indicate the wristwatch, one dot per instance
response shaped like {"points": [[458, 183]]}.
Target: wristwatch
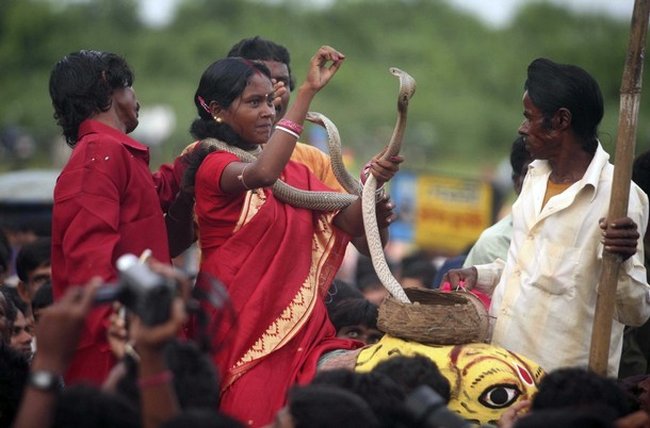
{"points": [[45, 381]]}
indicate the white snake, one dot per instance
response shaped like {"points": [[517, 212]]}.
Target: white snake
{"points": [[332, 201], [407, 89]]}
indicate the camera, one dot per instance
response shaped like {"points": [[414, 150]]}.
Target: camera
{"points": [[146, 293], [429, 409]]}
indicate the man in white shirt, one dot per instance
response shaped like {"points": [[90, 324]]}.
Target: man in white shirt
{"points": [[544, 294]]}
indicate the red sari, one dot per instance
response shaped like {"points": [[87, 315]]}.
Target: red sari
{"points": [[276, 262]]}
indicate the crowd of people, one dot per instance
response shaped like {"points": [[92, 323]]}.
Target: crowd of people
{"points": [[265, 333]]}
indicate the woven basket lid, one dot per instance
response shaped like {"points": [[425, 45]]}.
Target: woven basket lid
{"points": [[435, 317]]}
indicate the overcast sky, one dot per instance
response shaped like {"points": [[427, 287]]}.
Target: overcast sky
{"points": [[493, 12], [499, 12]]}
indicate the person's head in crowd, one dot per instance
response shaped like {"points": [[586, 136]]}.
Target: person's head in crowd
{"points": [[417, 271], [364, 266], [14, 369], [409, 372], [580, 388], [20, 225], [324, 406], [41, 300], [22, 333], [86, 406], [202, 418], [564, 418], [195, 378], [385, 397], [86, 83], [372, 289], [275, 57], [5, 257], [356, 319], [449, 263], [340, 290], [519, 161], [33, 267], [560, 93], [7, 317]]}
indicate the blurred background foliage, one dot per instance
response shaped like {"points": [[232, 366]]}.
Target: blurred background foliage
{"points": [[462, 118]]}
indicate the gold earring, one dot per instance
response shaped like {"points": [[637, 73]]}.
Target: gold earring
{"points": [[217, 119]]}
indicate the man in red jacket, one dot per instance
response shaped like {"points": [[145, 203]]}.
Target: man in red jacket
{"points": [[106, 201]]}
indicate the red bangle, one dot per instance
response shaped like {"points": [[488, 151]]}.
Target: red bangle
{"points": [[291, 125], [156, 379]]}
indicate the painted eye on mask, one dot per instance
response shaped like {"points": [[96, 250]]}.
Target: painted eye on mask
{"points": [[499, 396]]}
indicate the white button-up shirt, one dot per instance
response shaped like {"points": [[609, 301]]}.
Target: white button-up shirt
{"points": [[545, 296]]}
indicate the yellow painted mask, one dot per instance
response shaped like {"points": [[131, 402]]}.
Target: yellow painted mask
{"points": [[485, 379]]}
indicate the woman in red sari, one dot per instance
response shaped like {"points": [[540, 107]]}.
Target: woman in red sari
{"points": [[275, 260]]}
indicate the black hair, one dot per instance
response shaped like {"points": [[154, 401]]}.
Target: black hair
{"points": [[87, 406], [10, 311], [13, 298], [14, 369], [519, 157], [365, 271], [369, 281], [565, 418], [552, 86], [32, 256], [259, 49], [29, 217], [43, 297], [412, 371], [358, 311], [195, 378], [325, 406], [340, 290], [418, 265], [81, 85], [579, 388], [202, 418], [222, 82], [385, 397]]}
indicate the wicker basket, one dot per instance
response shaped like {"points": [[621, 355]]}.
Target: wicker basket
{"points": [[435, 317]]}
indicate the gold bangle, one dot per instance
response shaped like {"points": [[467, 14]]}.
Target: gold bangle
{"points": [[240, 177]]}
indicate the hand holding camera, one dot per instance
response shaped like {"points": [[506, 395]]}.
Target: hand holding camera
{"points": [[146, 289], [154, 295]]}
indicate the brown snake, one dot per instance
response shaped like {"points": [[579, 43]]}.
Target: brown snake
{"points": [[332, 201]]}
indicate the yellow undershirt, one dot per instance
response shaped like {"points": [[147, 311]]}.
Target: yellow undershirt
{"points": [[553, 189]]}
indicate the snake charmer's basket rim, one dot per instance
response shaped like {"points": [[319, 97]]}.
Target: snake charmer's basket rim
{"points": [[435, 317]]}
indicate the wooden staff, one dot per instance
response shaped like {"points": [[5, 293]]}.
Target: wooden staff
{"points": [[625, 141]]}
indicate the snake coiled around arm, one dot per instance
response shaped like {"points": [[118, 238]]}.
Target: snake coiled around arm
{"points": [[332, 201]]}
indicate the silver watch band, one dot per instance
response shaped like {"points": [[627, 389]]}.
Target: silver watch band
{"points": [[44, 380]]}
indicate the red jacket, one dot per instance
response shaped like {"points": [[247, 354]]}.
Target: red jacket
{"points": [[106, 203]]}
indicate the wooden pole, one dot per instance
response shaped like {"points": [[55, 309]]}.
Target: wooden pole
{"points": [[625, 141]]}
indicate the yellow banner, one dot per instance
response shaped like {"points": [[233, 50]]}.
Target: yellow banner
{"points": [[451, 213]]}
